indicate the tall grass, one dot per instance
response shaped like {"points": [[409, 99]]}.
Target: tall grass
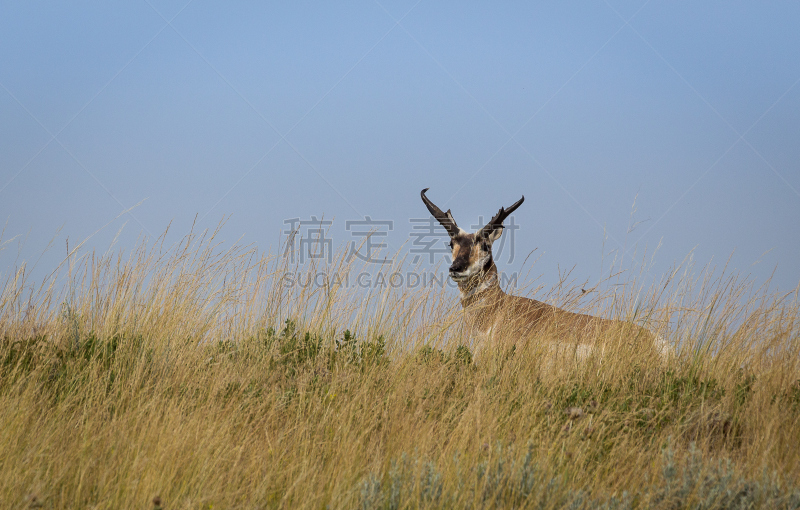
{"points": [[196, 374]]}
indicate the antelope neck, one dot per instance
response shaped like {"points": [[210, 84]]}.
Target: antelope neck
{"points": [[479, 286]]}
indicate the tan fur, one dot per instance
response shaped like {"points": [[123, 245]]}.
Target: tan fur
{"points": [[501, 319]]}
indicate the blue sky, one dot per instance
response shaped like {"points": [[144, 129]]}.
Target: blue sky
{"points": [[264, 112]]}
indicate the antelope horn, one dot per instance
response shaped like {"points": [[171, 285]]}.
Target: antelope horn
{"points": [[497, 221], [446, 219]]}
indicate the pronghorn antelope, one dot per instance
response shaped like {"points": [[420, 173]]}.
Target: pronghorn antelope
{"points": [[500, 317]]}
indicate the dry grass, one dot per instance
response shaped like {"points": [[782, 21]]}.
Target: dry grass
{"points": [[196, 375]]}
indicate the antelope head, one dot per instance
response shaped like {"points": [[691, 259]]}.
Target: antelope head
{"points": [[471, 253]]}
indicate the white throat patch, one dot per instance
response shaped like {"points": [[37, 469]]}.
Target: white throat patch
{"points": [[485, 284]]}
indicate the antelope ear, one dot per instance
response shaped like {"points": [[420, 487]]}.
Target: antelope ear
{"points": [[494, 235]]}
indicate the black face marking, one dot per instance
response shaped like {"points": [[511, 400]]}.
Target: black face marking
{"points": [[467, 250], [462, 246]]}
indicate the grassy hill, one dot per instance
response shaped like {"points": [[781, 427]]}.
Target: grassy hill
{"points": [[193, 377]]}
